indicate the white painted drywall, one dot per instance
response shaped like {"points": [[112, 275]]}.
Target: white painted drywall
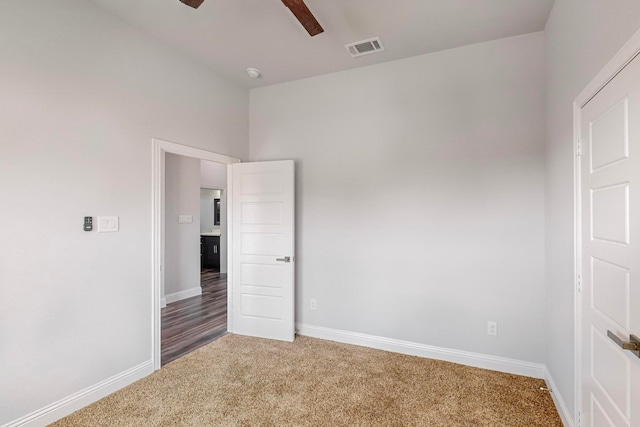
{"points": [[182, 241], [214, 175], [581, 37], [420, 195], [81, 96]]}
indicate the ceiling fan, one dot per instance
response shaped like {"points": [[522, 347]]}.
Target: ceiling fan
{"points": [[297, 7]]}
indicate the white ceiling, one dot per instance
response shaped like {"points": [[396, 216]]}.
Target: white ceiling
{"points": [[232, 35]]}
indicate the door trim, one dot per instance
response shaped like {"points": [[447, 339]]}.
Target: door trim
{"points": [[158, 151], [625, 55]]}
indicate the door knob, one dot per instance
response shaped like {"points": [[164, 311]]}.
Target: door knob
{"points": [[632, 345], [285, 259]]}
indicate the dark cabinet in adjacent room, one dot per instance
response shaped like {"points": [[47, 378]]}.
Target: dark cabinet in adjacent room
{"points": [[210, 252]]}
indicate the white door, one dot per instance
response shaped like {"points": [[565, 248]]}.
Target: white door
{"points": [[263, 249], [610, 264]]}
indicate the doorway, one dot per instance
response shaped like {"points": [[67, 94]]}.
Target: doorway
{"points": [[217, 285], [260, 249], [194, 311]]}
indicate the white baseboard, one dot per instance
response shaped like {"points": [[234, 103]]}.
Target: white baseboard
{"points": [[70, 404], [494, 363], [79, 400], [163, 302], [178, 296], [561, 406]]}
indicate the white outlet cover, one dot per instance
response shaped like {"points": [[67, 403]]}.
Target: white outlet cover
{"points": [[108, 224], [185, 219], [492, 328]]}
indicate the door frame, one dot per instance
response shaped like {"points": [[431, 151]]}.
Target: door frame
{"points": [[625, 55], [159, 150]]}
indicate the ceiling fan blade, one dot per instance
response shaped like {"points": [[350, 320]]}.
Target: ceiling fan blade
{"points": [[304, 15], [193, 3]]}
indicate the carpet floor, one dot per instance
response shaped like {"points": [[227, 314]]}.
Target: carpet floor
{"points": [[242, 381]]}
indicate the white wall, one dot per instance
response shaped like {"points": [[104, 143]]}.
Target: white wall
{"points": [[420, 195], [182, 241], [581, 37], [214, 175], [81, 96]]}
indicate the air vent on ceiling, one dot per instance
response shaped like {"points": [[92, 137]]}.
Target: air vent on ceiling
{"points": [[365, 47]]}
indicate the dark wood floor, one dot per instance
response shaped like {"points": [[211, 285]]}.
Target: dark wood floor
{"points": [[194, 322]]}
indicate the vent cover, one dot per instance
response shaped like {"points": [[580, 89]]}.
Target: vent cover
{"points": [[365, 47]]}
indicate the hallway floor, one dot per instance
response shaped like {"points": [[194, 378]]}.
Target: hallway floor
{"points": [[191, 323]]}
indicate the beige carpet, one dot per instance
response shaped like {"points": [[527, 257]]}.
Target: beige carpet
{"points": [[241, 381]]}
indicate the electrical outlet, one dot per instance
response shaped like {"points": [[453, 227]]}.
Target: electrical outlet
{"points": [[492, 328], [312, 304]]}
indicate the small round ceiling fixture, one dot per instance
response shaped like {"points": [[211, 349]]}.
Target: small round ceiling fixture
{"points": [[254, 73]]}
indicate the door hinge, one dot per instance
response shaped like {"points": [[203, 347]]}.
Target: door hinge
{"points": [[579, 420], [579, 283], [579, 147]]}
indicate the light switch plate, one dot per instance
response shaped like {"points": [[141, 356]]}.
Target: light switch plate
{"points": [[185, 219], [108, 224]]}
